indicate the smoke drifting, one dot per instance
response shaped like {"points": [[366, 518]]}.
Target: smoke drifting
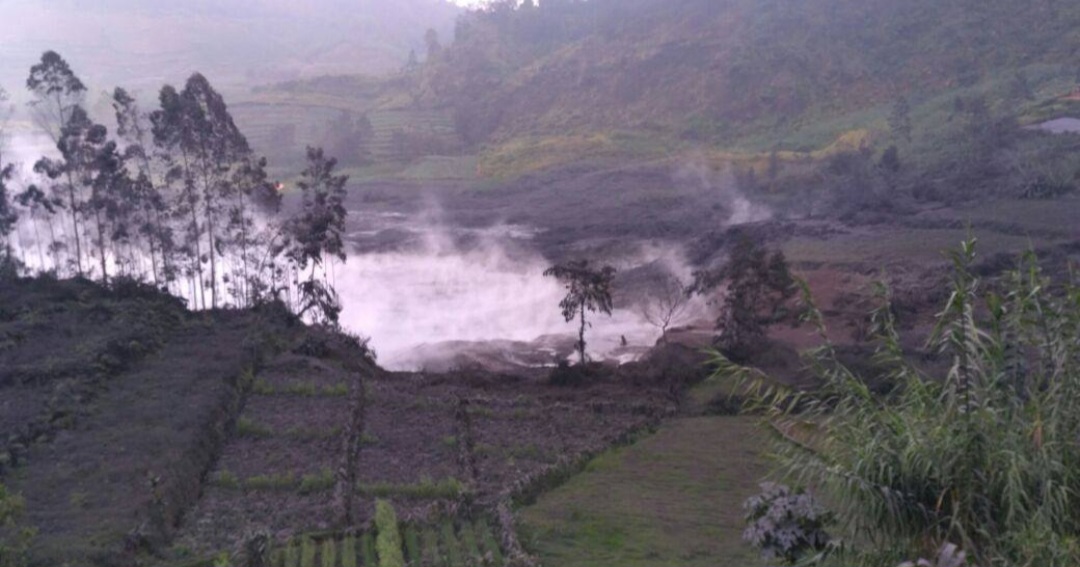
{"points": [[741, 209]]}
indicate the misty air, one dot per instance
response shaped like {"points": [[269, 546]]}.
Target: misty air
{"points": [[523, 283]]}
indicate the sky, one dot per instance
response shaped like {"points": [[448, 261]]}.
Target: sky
{"points": [[142, 44]]}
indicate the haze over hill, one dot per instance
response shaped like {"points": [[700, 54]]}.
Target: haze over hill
{"points": [[143, 44], [302, 285]]}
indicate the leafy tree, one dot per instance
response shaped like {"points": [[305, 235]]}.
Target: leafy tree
{"points": [[147, 194], [348, 138], [58, 92], [434, 47], [900, 121], [251, 192], [34, 201], [317, 234], [58, 95], [8, 215], [90, 164], [587, 289], [198, 134], [755, 287], [981, 458], [413, 62], [215, 144]]}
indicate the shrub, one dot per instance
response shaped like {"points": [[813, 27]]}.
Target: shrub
{"points": [[284, 481], [15, 540], [427, 489], [247, 428], [786, 524], [320, 482], [388, 542], [983, 457]]}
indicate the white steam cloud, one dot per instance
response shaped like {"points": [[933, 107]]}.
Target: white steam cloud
{"points": [[742, 210], [422, 306]]}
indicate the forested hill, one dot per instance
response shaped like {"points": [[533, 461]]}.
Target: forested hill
{"points": [[142, 44], [714, 68]]}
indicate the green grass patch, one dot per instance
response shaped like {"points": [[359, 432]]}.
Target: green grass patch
{"points": [[911, 245], [307, 552], [225, 479], [349, 557], [674, 498], [489, 545], [469, 544], [524, 155], [413, 550], [292, 554], [328, 554], [450, 545], [246, 427], [429, 542], [283, 481], [1038, 215], [426, 489], [367, 549], [320, 482]]}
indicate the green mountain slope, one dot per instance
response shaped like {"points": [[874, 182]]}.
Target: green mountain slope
{"points": [[718, 69]]}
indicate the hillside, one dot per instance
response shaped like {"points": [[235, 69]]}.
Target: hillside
{"points": [[719, 69]]}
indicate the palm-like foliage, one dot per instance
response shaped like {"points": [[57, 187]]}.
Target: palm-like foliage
{"points": [[986, 457]]}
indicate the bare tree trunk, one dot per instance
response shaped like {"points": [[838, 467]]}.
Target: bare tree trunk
{"points": [[37, 239], [101, 247], [244, 283], [54, 247], [581, 335], [75, 224]]}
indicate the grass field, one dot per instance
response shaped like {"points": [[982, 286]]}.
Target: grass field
{"points": [[890, 245], [1036, 215], [672, 499]]}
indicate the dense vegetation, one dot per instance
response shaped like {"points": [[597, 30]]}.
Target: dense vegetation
{"points": [[981, 459], [709, 66], [176, 197]]}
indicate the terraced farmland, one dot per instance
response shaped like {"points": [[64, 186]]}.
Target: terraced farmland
{"points": [[446, 544], [282, 130], [446, 450]]}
